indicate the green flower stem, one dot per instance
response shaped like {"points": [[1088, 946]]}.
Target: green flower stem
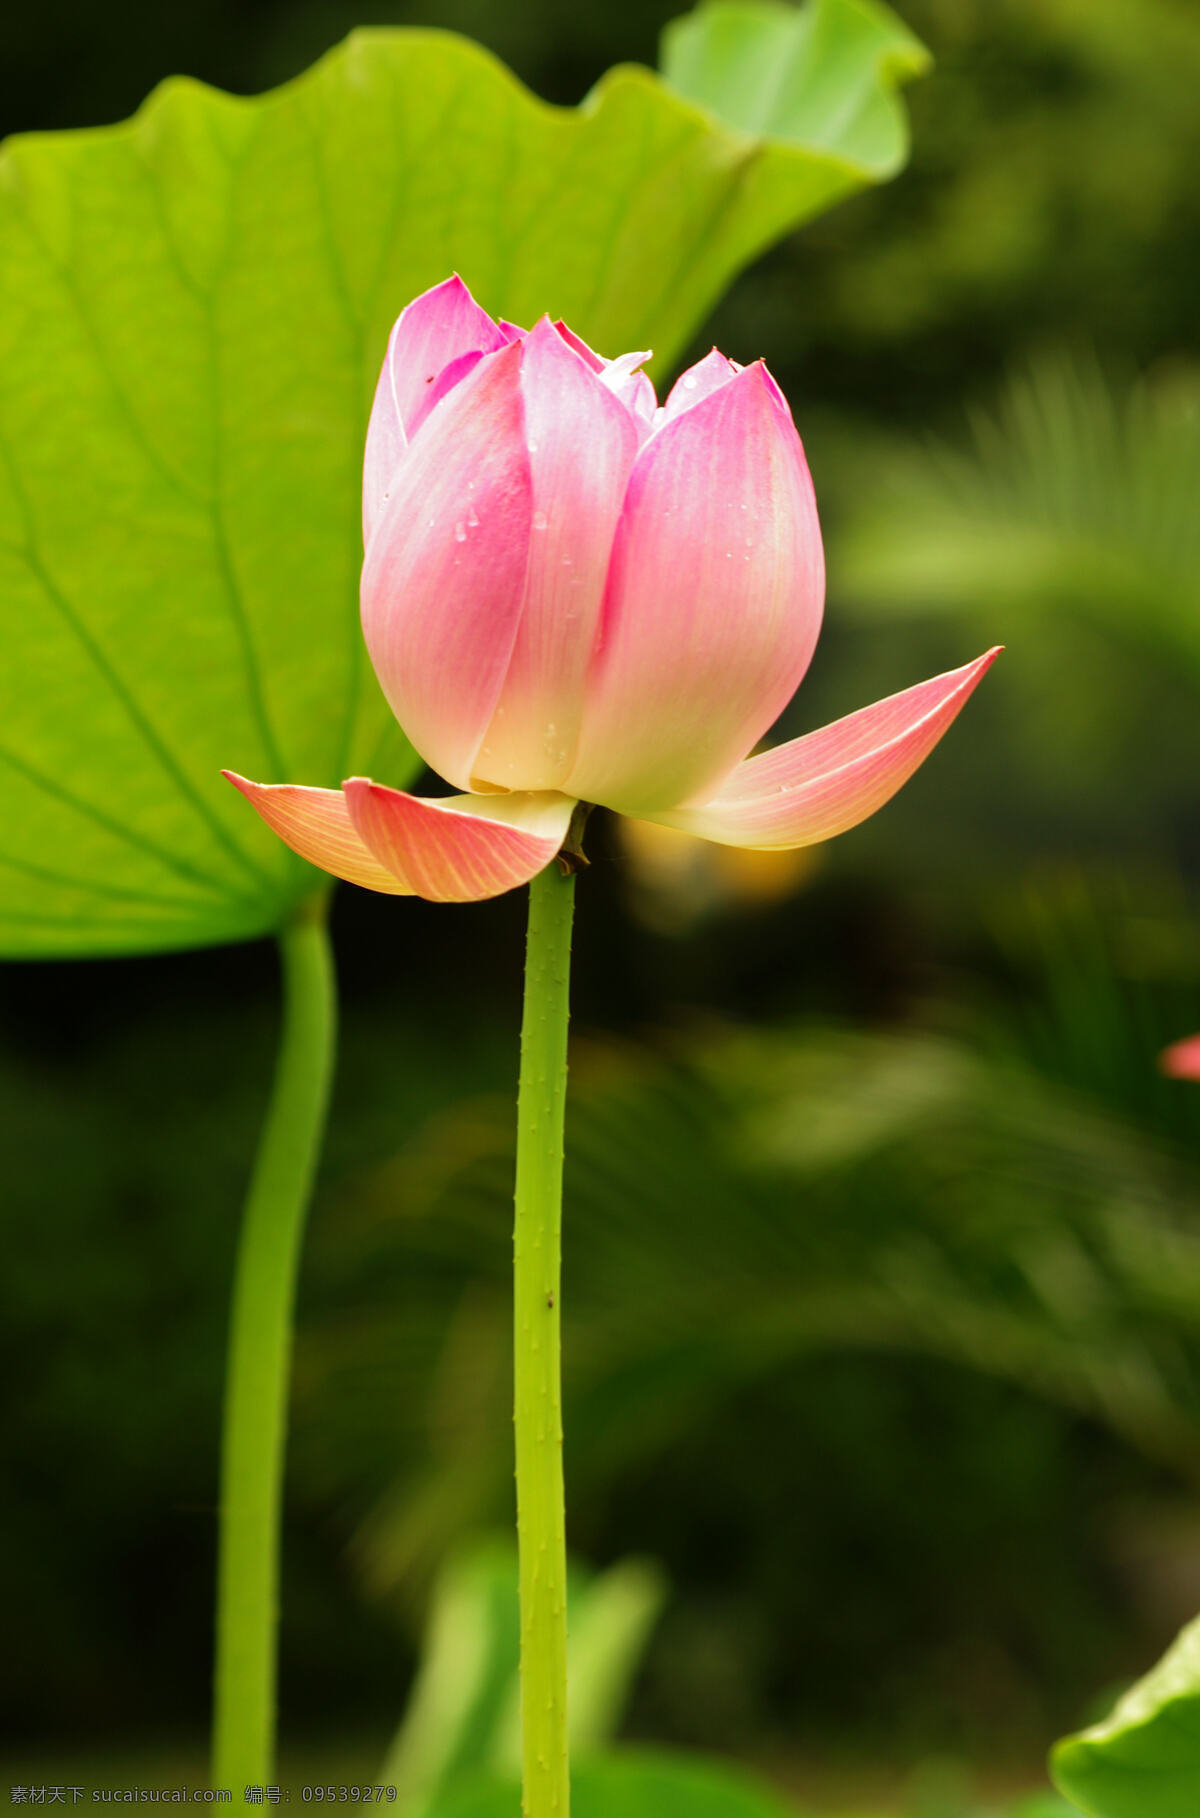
{"points": [[537, 1253], [260, 1354]]}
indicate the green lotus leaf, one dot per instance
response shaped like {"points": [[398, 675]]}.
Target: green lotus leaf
{"points": [[1143, 1760], [820, 76], [193, 309]]}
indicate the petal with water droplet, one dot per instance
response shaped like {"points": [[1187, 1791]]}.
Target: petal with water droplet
{"points": [[437, 328], [584, 445], [441, 605], [699, 382]]}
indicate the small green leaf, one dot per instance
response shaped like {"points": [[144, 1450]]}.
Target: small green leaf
{"points": [[1142, 1761], [644, 1784], [464, 1713], [193, 309], [609, 1632], [468, 1661], [824, 75]]}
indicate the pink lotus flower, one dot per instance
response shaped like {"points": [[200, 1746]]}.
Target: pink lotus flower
{"points": [[1182, 1059], [571, 594]]}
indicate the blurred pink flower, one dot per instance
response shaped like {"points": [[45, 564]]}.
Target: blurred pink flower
{"points": [[1182, 1059], [573, 594]]}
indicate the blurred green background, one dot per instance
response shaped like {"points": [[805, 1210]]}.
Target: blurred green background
{"points": [[883, 1239]]}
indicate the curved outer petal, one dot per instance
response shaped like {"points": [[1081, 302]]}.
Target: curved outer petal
{"points": [[1182, 1059], [821, 784], [582, 442], [713, 602], [462, 848], [386, 442], [444, 575], [437, 327], [316, 823]]}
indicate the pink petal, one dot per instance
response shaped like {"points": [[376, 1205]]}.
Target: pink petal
{"points": [[819, 785], [626, 381], [581, 347], [451, 375], [436, 328], [713, 602], [1182, 1059], [699, 382], [582, 444], [462, 848], [642, 400], [444, 575], [386, 442], [316, 823], [621, 376]]}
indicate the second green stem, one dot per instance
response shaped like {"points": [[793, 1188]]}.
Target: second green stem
{"points": [[260, 1355], [537, 1259]]}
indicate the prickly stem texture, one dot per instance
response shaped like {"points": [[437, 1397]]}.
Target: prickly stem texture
{"points": [[537, 1251]]}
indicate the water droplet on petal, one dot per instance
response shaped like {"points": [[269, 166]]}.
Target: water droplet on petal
{"points": [[472, 517], [532, 447], [689, 381], [460, 532], [539, 520]]}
